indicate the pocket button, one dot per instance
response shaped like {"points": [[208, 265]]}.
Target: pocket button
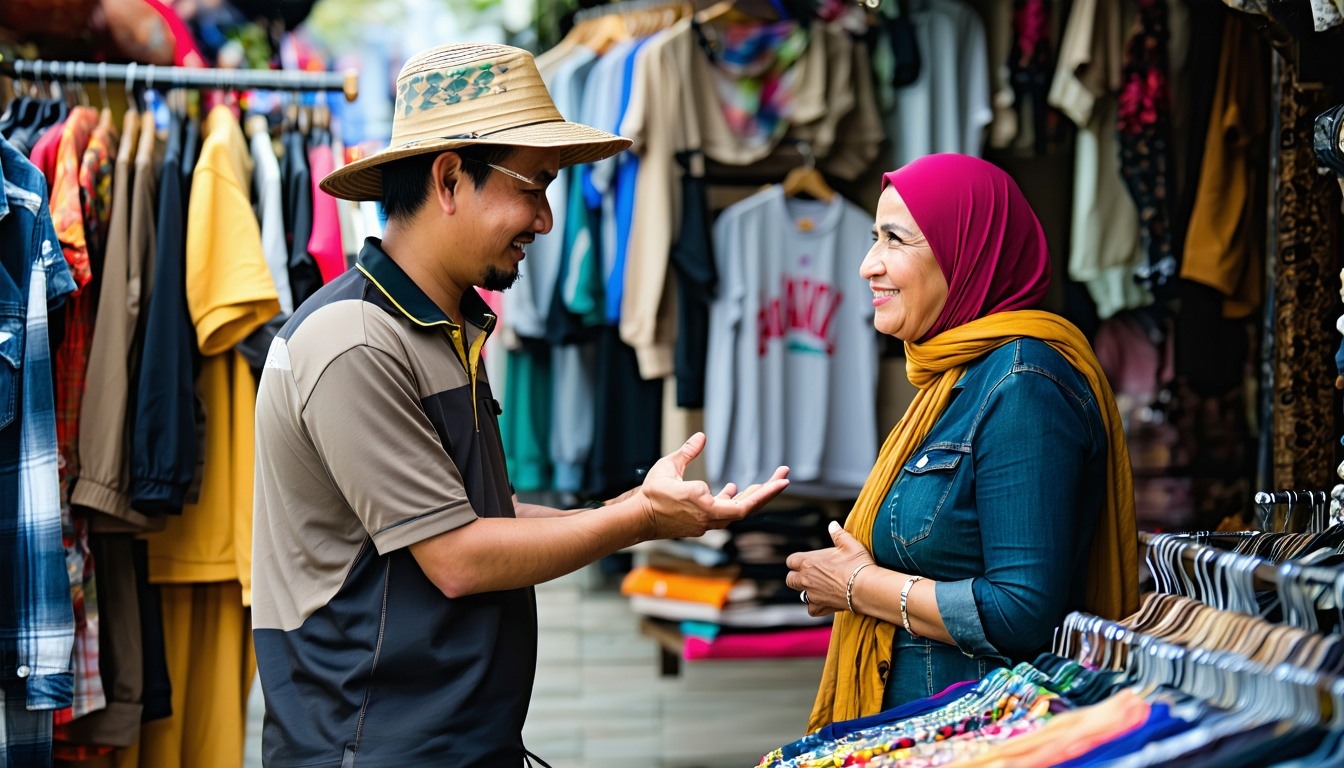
{"points": [[923, 461]]}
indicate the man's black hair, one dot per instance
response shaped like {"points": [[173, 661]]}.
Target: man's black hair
{"points": [[406, 181]]}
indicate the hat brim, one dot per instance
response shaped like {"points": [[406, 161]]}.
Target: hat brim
{"points": [[363, 179]]}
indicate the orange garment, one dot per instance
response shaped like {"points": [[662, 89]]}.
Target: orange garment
{"points": [[1068, 735], [653, 582], [1225, 244], [208, 640]]}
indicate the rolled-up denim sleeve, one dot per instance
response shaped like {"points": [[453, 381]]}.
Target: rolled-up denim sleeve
{"points": [[1031, 452], [961, 616]]}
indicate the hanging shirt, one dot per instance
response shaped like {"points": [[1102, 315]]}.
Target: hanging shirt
{"points": [[164, 448], [623, 204], [102, 479], [947, 107], [230, 294], [1104, 250], [304, 275], [98, 488], [71, 357], [792, 373], [1224, 246], [325, 241], [270, 211], [659, 121], [36, 648]]}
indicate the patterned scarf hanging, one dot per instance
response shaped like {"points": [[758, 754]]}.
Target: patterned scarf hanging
{"points": [[1144, 124]]}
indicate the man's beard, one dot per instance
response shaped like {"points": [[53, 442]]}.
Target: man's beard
{"points": [[497, 279]]}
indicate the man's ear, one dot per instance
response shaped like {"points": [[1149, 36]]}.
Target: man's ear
{"points": [[446, 179]]}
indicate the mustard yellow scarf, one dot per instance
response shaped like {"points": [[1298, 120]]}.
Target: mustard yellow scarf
{"points": [[851, 685]]}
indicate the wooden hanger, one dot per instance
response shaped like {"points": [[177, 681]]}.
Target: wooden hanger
{"points": [[807, 180]]}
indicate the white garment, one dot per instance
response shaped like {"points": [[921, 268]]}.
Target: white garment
{"points": [[947, 108], [745, 615], [791, 376], [1105, 249], [266, 180], [1325, 14]]}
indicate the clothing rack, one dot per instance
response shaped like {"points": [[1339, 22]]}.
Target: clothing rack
{"points": [[1292, 497], [1155, 661], [1200, 557], [150, 75], [621, 6]]}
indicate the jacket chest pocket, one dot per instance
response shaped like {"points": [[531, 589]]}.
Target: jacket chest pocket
{"points": [[922, 489], [11, 361]]}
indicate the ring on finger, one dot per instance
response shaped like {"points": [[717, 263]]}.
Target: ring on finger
{"points": [[803, 595]]}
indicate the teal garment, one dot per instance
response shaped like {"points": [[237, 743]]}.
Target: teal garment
{"points": [[525, 425], [997, 507], [582, 287]]}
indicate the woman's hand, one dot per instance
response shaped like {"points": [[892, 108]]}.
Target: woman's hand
{"points": [[825, 573]]}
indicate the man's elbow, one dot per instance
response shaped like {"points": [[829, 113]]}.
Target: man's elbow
{"points": [[447, 568]]}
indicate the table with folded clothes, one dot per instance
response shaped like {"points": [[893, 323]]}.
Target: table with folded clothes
{"points": [[723, 596]]}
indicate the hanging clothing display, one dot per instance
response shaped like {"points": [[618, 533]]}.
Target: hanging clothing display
{"points": [[1143, 691], [1104, 251], [1144, 121], [947, 108], [37, 678], [791, 374], [142, 646]]}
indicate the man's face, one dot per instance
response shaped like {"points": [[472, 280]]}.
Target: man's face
{"points": [[509, 213]]}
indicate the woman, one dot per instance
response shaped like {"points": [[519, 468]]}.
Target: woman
{"points": [[1003, 499]]}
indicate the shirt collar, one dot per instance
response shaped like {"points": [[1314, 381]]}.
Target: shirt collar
{"points": [[388, 277]]}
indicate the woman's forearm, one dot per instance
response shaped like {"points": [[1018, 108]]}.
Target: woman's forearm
{"points": [[877, 593]]}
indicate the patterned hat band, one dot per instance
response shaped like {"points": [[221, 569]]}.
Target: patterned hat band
{"points": [[456, 95]]}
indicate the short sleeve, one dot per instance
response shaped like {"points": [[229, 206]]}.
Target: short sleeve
{"points": [[380, 449]]}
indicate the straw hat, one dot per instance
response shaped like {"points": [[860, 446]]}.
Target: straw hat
{"points": [[461, 95]]}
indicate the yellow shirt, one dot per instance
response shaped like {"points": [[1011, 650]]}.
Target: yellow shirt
{"points": [[230, 294]]}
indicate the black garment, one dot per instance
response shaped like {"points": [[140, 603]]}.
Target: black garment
{"points": [[120, 647], [164, 442], [258, 343], [157, 691], [693, 259], [295, 177], [628, 435], [1211, 350]]}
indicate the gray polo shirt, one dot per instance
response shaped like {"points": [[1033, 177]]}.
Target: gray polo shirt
{"points": [[376, 429]]}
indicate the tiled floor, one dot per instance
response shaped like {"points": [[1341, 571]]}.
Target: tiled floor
{"points": [[599, 701]]}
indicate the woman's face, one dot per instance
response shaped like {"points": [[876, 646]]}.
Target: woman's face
{"points": [[909, 289]]}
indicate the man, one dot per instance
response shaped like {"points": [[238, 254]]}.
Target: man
{"points": [[395, 620]]}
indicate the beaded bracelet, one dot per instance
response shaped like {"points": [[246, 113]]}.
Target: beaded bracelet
{"points": [[849, 589], [905, 596]]}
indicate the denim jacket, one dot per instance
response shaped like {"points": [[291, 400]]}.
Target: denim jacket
{"points": [[997, 507], [37, 619]]}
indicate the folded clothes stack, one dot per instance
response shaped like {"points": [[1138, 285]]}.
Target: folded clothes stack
{"points": [[725, 591]]}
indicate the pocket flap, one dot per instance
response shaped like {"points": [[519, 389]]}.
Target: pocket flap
{"points": [[934, 459], [11, 337]]}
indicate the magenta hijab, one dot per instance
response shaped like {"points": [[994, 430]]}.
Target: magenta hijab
{"points": [[986, 238]]}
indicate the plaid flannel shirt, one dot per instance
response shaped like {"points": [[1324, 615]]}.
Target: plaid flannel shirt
{"points": [[36, 618]]}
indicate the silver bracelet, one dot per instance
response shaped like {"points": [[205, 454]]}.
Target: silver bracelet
{"points": [[905, 596], [849, 589]]}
